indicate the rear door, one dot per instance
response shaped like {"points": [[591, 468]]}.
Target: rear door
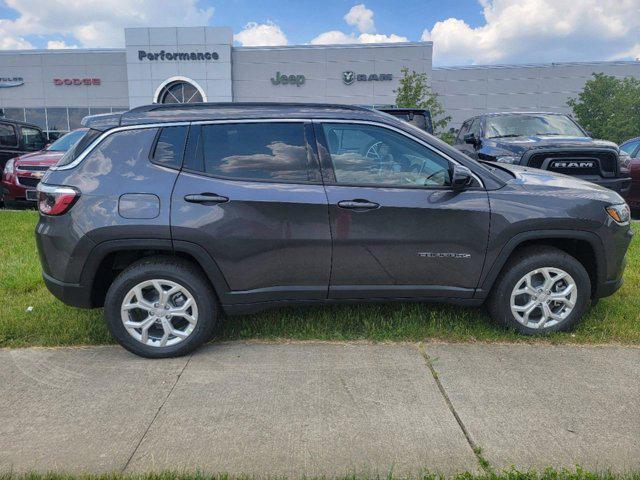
{"points": [[251, 194], [398, 228]]}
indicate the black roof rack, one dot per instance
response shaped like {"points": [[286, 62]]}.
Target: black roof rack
{"points": [[212, 105]]}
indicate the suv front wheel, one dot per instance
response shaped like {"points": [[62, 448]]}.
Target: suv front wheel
{"points": [[540, 290], [161, 307]]}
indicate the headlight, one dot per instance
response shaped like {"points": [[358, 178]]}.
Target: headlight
{"points": [[8, 167], [624, 162], [508, 159], [620, 213]]}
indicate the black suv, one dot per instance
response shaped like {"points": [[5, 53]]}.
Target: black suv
{"points": [[549, 141], [171, 215], [17, 138]]}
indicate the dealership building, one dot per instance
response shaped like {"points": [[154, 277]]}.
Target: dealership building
{"points": [[55, 89]]}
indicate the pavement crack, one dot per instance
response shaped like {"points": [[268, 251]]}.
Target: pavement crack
{"points": [[146, 431], [477, 449]]}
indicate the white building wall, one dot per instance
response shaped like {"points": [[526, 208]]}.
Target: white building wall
{"points": [[323, 67], [469, 91], [145, 76]]}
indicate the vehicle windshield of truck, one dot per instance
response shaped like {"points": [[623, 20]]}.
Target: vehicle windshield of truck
{"points": [[530, 125]]}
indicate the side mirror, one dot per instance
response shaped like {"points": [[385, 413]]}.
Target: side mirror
{"points": [[462, 177], [471, 139]]}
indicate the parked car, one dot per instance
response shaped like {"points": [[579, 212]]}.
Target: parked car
{"points": [[22, 174], [418, 117], [170, 215], [632, 148], [548, 141], [18, 138]]}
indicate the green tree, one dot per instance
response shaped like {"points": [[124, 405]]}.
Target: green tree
{"points": [[609, 107], [414, 92]]}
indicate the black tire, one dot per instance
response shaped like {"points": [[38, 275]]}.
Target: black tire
{"points": [[175, 270], [526, 261]]}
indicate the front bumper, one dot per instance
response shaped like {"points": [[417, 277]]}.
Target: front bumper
{"points": [[620, 185]]}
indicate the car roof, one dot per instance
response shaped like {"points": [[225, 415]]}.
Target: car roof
{"points": [[165, 113], [20, 123], [634, 139], [504, 114]]}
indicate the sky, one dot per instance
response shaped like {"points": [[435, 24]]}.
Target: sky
{"points": [[464, 32]]}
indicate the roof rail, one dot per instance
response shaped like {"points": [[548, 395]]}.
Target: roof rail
{"points": [[205, 105]]}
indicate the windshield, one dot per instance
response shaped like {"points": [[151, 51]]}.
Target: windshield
{"points": [[530, 125], [67, 141]]}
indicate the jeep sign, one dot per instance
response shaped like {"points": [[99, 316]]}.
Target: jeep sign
{"points": [[297, 80]]}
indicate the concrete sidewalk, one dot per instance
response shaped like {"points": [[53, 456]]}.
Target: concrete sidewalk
{"points": [[320, 409]]}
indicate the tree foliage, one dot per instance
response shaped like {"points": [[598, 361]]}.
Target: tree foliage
{"points": [[609, 107], [414, 92]]}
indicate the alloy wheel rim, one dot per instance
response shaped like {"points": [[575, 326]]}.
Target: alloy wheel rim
{"points": [[543, 298], [159, 313]]}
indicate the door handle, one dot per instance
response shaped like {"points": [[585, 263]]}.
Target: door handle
{"points": [[206, 198], [358, 204]]}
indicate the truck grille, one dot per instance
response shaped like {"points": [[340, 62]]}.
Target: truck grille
{"points": [[29, 181], [576, 162], [33, 168]]}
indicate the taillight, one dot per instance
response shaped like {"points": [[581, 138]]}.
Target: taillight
{"points": [[55, 199]]}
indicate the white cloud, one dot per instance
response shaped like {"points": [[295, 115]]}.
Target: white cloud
{"points": [[59, 44], [12, 42], [539, 31], [256, 34], [98, 23], [360, 17]]}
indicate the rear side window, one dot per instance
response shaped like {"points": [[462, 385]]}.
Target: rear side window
{"points": [[8, 135], [463, 131], [255, 151], [169, 148], [32, 139], [79, 147]]}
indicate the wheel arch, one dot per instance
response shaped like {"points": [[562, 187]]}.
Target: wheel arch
{"points": [[109, 258], [585, 246]]}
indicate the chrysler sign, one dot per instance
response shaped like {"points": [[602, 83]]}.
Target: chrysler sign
{"points": [[8, 82], [181, 56]]}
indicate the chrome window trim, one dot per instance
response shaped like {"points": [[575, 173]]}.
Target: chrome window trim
{"points": [[401, 132], [108, 133]]}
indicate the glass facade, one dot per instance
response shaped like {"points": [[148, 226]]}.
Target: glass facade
{"points": [[55, 121]]}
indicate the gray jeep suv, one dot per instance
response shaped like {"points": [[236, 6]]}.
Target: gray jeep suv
{"points": [[171, 215]]}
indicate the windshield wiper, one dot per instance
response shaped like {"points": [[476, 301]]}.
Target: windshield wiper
{"points": [[506, 136]]}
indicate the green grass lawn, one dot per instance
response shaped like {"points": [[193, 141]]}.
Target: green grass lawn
{"points": [[30, 315]]}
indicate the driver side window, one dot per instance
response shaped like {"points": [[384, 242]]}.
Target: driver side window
{"points": [[371, 155]]}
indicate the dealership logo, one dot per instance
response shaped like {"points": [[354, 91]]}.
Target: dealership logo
{"points": [[349, 77], [573, 164], [173, 56], [297, 80], [8, 82], [76, 81]]}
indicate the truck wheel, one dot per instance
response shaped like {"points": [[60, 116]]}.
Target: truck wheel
{"points": [[540, 290], [161, 307]]}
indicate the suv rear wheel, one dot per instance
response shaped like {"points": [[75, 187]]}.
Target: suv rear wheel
{"points": [[541, 290], [161, 307]]}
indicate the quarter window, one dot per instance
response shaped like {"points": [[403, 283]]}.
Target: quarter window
{"points": [[630, 147], [33, 139], [464, 129], [371, 155], [7, 135], [256, 151], [170, 147]]}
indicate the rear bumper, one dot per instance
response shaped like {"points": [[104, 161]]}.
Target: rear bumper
{"points": [[70, 293]]}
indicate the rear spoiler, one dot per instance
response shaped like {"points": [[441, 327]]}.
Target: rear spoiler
{"points": [[102, 122]]}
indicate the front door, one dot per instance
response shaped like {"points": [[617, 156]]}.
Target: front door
{"points": [[398, 228], [250, 193]]}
